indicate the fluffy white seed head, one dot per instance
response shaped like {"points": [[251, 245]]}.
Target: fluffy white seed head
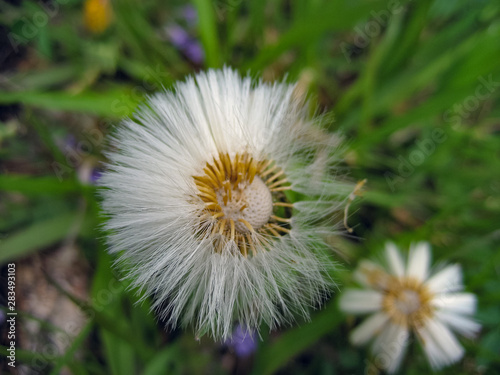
{"points": [[197, 193]]}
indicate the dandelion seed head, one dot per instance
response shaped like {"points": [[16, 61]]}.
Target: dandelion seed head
{"points": [[197, 197]]}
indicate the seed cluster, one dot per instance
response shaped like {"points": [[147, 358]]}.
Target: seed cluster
{"points": [[241, 197]]}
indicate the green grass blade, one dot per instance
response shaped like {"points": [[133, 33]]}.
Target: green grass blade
{"points": [[39, 235], [162, 361], [115, 103], [75, 345], [337, 15], [274, 355], [37, 185], [208, 31]]}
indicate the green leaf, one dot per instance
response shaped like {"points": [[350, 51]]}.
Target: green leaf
{"points": [[41, 234], [334, 16], [208, 31], [75, 345], [274, 355], [163, 361], [42, 79], [115, 103], [37, 185], [122, 345], [119, 354]]}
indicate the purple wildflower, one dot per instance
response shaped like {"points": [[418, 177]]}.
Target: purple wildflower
{"points": [[178, 36], [243, 341], [189, 46], [194, 52], [190, 15], [95, 176]]}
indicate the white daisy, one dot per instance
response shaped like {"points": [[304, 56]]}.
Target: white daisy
{"points": [[410, 299], [198, 199]]}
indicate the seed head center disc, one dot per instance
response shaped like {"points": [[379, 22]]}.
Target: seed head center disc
{"points": [[252, 203], [244, 202]]}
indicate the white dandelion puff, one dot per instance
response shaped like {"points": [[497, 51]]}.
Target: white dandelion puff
{"points": [[197, 192], [404, 299]]}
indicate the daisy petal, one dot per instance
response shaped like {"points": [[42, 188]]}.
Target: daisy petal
{"points": [[360, 301], [369, 328], [459, 323], [362, 271], [390, 346], [371, 275], [449, 279], [394, 260], [440, 345], [418, 261], [459, 303]]}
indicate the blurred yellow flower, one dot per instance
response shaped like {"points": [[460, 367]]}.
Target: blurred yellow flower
{"points": [[97, 15]]}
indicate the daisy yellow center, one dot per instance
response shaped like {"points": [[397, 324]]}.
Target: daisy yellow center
{"points": [[243, 197], [407, 302]]}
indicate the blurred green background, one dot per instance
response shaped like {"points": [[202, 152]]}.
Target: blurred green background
{"points": [[413, 85]]}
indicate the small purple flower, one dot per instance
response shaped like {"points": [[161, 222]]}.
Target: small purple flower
{"points": [[189, 46], [194, 52], [95, 176], [243, 341], [190, 15], [178, 36]]}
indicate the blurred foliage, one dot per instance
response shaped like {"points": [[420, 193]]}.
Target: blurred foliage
{"points": [[414, 87]]}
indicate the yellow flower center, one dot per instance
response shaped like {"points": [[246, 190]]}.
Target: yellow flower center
{"points": [[407, 301], [244, 196]]}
